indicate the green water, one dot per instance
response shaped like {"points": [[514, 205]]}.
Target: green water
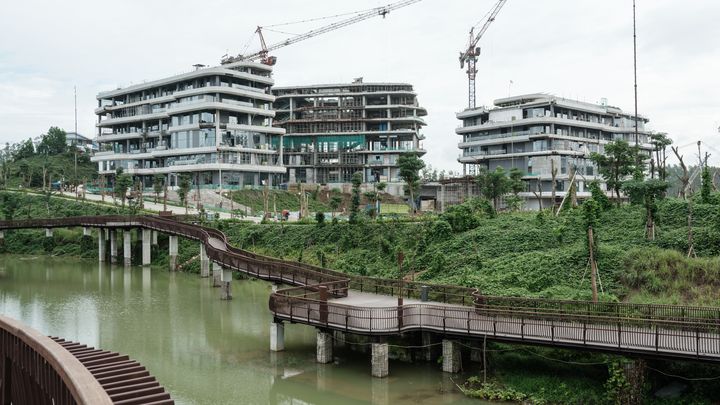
{"points": [[203, 350]]}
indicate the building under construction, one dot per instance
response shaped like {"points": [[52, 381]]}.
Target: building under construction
{"points": [[336, 130]]}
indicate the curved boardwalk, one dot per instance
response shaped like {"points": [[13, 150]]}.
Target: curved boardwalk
{"points": [[333, 300]]}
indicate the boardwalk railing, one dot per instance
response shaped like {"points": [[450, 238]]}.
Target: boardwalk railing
{"points": [[37, 370], [683, 331]]}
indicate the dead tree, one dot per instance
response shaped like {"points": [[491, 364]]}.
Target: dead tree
{"points": [[685, 177], [538, 193]]}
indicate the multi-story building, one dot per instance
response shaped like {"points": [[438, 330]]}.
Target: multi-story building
{"points": [[215, 123], [536, 132], [336, 130]]}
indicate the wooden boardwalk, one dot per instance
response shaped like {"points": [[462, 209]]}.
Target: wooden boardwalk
{"points": [[364, 305]]}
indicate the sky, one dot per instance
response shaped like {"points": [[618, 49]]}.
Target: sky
{"points": [[579, 49]]}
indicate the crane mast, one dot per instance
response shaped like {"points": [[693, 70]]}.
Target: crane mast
{"points": [[263, 53], [472, 51]]}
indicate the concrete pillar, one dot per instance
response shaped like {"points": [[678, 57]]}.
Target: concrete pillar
{"points": [[155, 238], [204, 262], [2, 234], [634, 371], [146, 246], [101, 245], [173, 252], [113, 246], [216, 274], [48, 232], [86, 231], [379, 360], [225, 279], [277, 336], [451, 356], [324, 347], [127, 248], [427, 350]]}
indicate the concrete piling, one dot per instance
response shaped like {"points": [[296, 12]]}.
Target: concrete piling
{"points": [[146, 246], [277, 336], [379, 360], [451, 356], [173, 252], [324, 347], [127, 248]]}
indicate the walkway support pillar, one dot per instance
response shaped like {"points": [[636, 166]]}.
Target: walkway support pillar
{"points": [[217, 274], [86, 231], [101, 245], [324, 347], [225, 279], [127, 248], [155, 238], [2, 234], [113, 246], [204, 262], [277, 336], [146, 246], [451, 356], [48, 232], [379, 360], [173, 251]]}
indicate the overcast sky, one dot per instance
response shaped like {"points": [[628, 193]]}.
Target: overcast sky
{"points": [[579, 49]]}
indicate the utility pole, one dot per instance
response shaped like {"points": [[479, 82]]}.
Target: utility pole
{"points": [[74, 143], [635, 74]]}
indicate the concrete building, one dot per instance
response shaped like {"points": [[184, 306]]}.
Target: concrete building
{"points": [[215, 123], [80, 141], [336, 130], [535, 132]]}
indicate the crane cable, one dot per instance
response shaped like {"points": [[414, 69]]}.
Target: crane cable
{"points": [[319, 18]]}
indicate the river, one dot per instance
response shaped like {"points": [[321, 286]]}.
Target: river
{"points": [[203, 350]]}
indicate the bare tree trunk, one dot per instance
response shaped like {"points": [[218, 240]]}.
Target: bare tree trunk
{"points": [[685, 178], [593, 265]]}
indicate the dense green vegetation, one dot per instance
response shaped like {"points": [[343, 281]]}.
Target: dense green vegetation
{"points": [[523, 253], [47, 160]]}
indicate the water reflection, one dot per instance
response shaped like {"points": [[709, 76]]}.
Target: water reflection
{"points": [[202, 349]]}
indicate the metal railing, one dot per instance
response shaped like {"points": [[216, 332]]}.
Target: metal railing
{"points": [[37, 370]]}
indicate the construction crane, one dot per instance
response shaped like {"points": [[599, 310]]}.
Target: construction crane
{"points": [[472, 51], [263, 53]]}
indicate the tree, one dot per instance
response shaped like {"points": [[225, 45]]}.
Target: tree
{"points": [[591, 213], [355, 200], [660, 142], [123, 182], [646, 193], [23, 150], [53, 143], [493, 185], [410, 165], [619, 161], [158, 185], [184, 189], [335, 202], [685, 177]]}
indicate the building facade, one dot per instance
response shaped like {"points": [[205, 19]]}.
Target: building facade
{"points": [[537, 133], [333, 131], [214, 123]]}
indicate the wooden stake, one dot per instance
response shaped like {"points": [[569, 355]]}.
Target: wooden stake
{"points": [[593, 265]]}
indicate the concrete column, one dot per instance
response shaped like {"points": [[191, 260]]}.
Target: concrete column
{"points": [[86, 231], [101, 245], [379, 360], [113, 246], [48, 232], [217, 274], [146, 246], [204, 262], [226, 278], [127, 251], [451, 356], [2, 234], [277, 336], [173, 252], [324, 347], [427, 350], [155, 238]]}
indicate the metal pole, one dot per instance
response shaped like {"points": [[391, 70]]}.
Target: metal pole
{"points": [[74, 144], [635, 74]]}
